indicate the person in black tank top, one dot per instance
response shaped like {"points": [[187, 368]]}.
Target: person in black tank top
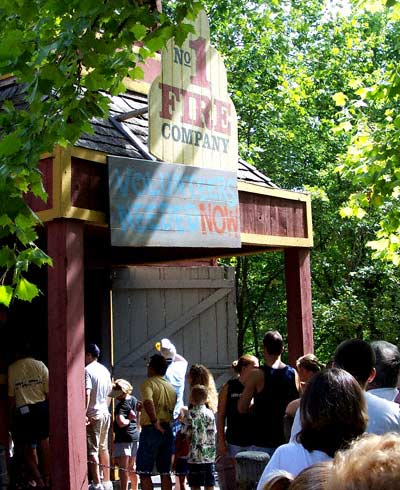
{"points": [[270, 404], [234, 430], [272, 387]]}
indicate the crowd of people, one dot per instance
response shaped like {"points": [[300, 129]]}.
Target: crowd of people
{"points": [[323, 428]]}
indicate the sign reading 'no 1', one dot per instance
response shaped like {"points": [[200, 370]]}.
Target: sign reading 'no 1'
{"points": [[192, 118]]}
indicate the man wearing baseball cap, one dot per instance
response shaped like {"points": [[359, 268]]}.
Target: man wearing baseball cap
{"points": [[176, 371]]}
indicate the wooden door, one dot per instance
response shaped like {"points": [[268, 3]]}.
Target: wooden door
{"points": [[192, 306]]}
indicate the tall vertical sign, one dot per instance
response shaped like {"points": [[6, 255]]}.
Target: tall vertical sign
{"points": [[192, 118], [190, 198]]}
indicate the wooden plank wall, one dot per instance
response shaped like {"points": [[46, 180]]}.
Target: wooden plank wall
{"points": [[267, 215], [192, 306]]}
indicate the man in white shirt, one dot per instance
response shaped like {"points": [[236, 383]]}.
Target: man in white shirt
{"points": [[176, 372], [98, 386], [358, 358], [387, 368]]}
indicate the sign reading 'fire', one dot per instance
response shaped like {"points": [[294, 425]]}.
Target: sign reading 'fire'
{"points": [[192, 119]]}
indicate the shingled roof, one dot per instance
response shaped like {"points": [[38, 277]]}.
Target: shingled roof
{"points": [[121, 135]]}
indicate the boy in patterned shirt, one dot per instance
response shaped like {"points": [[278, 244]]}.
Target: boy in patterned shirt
{"points": [[198, 425]]}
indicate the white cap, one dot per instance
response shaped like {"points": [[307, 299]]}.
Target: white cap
{"points": [[167, 348]]}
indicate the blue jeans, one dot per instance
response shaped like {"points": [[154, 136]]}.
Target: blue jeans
{"points": [[201, 475], [155, 447]]}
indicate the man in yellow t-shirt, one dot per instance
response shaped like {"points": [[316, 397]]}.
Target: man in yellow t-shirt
{"points": [[28, 387], [156, 439]]}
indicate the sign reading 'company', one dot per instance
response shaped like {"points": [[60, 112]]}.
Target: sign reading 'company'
{"points": [[192, 119], [162, 205]]}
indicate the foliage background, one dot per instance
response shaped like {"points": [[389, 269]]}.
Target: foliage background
{"points": [[299, 73]]}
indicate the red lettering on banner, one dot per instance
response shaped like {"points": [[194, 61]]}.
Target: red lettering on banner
{"points": [[206, 220], [196, 109], [201, 111], [218, 219], [169, 95], [233, 222], [186, 117], [200, 78], [222, 124], [219, 215]]}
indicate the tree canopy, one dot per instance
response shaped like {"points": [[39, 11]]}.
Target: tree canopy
{"points": [[370, 113], [293, 69], [67, 56]]}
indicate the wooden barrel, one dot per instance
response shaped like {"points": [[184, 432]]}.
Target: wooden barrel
{"points": [[249, 468], [3, 469]]}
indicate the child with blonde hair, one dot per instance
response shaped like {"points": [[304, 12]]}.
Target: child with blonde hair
{"points": [[198, 425]]}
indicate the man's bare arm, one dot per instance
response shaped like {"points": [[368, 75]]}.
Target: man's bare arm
{"points": [[221, 415], [87, 398], [253, 385]]}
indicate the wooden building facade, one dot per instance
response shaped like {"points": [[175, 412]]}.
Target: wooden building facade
{"points": [[91, 282]]}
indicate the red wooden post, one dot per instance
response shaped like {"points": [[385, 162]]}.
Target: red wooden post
{"points": [[299, 307], [66, 355]]}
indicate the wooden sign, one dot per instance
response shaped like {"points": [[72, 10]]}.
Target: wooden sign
{"points": [[167, 205], [192, 119]]}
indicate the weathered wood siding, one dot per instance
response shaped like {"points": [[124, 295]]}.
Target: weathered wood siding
{"points": [[267, 215], [192, 306]]}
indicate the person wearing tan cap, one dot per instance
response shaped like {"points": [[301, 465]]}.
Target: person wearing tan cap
{"points": [[126, 432]]}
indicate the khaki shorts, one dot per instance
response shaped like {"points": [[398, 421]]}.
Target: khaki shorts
{"points": [[97, 434]]}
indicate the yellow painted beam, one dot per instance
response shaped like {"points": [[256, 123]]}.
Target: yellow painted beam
{"points": [[86, 215], [275, 241], [139, 86], [90, 155], [268, 191], [66, 177]]}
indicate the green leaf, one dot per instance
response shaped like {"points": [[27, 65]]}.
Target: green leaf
{"points": [[25, 290], [5, 220], [346, 212], [379, 245], [7, 257], [136, 73], [359, 212], [9, 45], [155, 44], [6, 294], [9, 144], [340, 99], [139, 31], [374, 6]]}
